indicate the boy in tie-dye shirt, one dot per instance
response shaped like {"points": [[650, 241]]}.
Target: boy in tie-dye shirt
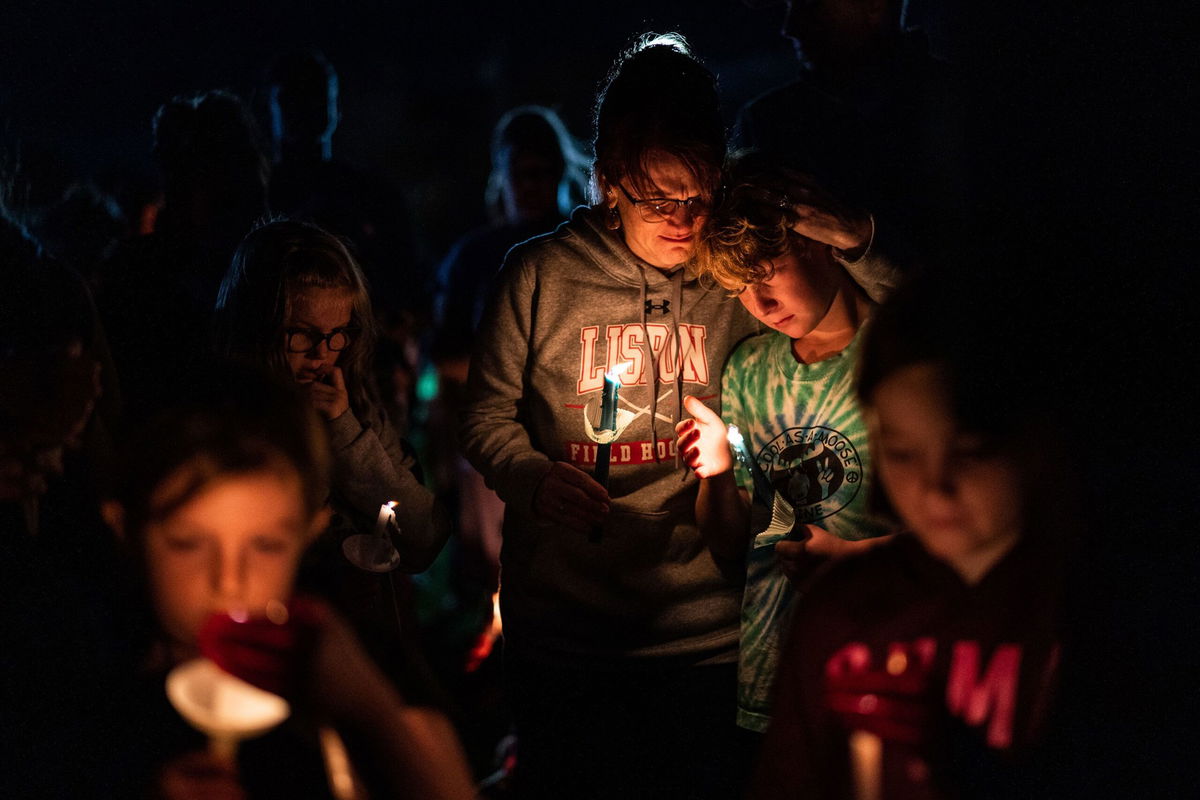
{"points": [[790, 392]]}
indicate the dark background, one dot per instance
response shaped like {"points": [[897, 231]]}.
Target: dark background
{"points": [[421, 83], [1084, 189]]}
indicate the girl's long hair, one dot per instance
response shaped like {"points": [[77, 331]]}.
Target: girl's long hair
{"points": [[272, 264]]}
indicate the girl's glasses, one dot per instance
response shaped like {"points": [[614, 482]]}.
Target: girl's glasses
{"points": [[660, 209], [304, 340]]}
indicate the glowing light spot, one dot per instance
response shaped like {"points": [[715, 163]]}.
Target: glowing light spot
{"points": [[277, 612], [735, 436], [616, 371]]}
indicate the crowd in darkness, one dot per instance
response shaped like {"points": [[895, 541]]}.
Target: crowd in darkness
{"points": [[815, 451]]}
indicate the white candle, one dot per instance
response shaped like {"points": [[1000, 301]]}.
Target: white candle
{"points": [[387, 513], [762, 487], [866, 759]]}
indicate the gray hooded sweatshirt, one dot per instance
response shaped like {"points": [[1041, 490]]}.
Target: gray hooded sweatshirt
{"points": [[570, 306]]}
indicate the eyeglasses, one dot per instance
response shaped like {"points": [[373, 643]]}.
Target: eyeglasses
{"points": [[304, 340], [660, 209]]}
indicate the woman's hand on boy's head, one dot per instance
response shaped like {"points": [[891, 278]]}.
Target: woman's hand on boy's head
{"points": [[844, 230], [818, 215], [702, 440], [331, 400]]}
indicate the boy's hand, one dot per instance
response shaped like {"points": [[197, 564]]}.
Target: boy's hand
{"points": [[570, 498], [330, 400], [702, 440]]}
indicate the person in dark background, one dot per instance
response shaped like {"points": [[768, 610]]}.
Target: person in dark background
{"points": [[536, 179], [58, 405], [309, 184], [82, 230], [158, 291], [873, 116]]}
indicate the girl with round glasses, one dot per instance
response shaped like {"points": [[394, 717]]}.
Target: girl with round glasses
{"points": [[295, 301]]}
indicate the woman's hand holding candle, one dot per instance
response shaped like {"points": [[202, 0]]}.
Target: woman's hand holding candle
{"points": [[701, 440], [570, 498]]}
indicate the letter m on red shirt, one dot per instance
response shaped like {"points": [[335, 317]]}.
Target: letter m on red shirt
{"points": [[991, 698]]}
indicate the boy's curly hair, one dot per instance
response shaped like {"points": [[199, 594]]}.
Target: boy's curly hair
{"points": [[750, 226]]}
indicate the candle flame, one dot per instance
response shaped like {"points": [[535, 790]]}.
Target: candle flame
{"points": [[391, 504], [613, 373], [735, 436]]}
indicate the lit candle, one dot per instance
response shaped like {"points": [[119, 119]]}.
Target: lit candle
{"points": [[387, 513], [374, 551], [866, 763], [762, 487], [608, 424], [608, 420]]}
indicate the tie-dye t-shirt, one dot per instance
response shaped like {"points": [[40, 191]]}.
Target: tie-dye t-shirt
{"points": [[803, 425]]}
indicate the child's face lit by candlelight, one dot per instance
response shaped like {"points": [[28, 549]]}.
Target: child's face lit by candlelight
{"points": [[797, 296], [958, 492], [323, 311], [234, 546]]}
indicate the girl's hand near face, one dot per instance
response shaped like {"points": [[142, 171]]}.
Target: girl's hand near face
{"points": [[330, 400], [702, 440]]}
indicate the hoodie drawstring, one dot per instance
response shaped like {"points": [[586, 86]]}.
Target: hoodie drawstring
{"points": [[653, 374], [676, 299], [676, 310]]}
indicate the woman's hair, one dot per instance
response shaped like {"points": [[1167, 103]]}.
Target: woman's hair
{"points": [[210, 139], [750, 227], [232, 419], [539, 131], [271, 265], [658, 98]]}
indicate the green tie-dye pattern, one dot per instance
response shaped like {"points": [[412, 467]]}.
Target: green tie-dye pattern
{"points": [[803, 425]]}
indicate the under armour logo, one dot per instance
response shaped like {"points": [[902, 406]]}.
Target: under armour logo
{"points": [[664, 306]]}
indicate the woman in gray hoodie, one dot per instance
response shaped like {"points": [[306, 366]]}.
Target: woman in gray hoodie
{"points": [[620, 629]]}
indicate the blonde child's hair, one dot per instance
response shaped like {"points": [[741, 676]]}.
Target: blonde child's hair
{"points": [[750, 227]]}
